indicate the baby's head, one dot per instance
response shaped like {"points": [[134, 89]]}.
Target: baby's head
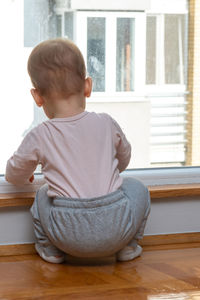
{"points": [[57, 69]]}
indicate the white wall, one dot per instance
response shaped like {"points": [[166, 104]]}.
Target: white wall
{"points": [[166, 6], [111, 4], [178, 215], [15, 226]]}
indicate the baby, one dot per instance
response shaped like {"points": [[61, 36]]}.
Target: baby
{"points": [[86, 209]]}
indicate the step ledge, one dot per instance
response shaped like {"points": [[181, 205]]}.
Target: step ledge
{"points": [[157, 192]]}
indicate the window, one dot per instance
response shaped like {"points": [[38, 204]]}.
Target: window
{"points": [[125, 54], [96, 52], [165, 53], [112, 45], [137, 57]]}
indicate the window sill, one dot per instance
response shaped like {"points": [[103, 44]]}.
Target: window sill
{"points": [[156, 192], [174, 190]]}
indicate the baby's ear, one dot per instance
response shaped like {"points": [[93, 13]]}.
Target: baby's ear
{"points": [[37, 97], [88, 87]]}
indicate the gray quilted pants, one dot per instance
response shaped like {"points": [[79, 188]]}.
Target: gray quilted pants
{"points": [[94, 227]]}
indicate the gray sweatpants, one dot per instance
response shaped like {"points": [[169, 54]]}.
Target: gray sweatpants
{"points": [[94, 227]]}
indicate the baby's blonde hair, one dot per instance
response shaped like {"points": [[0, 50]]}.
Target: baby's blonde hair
{"points": [[57, 68]]}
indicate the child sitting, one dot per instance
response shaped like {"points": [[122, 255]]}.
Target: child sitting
{"points": [[85, 209]]}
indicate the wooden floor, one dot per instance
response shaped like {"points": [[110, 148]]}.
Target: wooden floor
{"points": [[158, 274]]}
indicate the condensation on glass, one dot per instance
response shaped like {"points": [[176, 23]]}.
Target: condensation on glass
{"points": [[125, 55], [38, 16], [64, 25], [108, 42], [69, 25], [59, 25], [96, 52], [42, 20]]}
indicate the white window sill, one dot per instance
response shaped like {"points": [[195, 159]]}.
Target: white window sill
{"points": [[150, 177], [6, 187]]}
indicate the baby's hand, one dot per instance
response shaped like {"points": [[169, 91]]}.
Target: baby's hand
{"points": [[31, 178]]}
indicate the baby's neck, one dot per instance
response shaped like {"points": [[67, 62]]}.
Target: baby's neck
{"points": [[64, 108], [68, 113]]}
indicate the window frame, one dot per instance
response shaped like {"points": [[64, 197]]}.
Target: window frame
{"points": [[80, 38], [160, 57]]}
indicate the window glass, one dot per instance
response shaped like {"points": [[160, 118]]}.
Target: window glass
{"points": [[36, 19], [135, 58], [69, 25], [174, 49], [96, 52], [151, 50], [59, 25], [165, 49], [125, 54]]}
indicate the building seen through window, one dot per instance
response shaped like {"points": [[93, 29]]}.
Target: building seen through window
{"points": [[135, 52]]}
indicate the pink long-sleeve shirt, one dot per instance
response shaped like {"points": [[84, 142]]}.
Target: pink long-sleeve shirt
{"points": [[81, 156]]}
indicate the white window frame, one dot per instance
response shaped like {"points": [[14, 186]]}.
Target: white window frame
{"points": [[160, 85], [158, 9], [80, 37]]}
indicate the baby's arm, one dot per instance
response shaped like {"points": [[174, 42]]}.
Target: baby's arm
{"points": [[22, 164], [123, 147]]}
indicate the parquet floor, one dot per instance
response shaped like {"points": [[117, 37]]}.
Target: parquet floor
{"points": [[163, 274]]}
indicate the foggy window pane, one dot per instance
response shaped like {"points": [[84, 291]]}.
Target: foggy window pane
{"points": [[69, 25], [59, 25], [151, 50], [125, 54], [174, 45], [36, 18], [96, 52]]}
